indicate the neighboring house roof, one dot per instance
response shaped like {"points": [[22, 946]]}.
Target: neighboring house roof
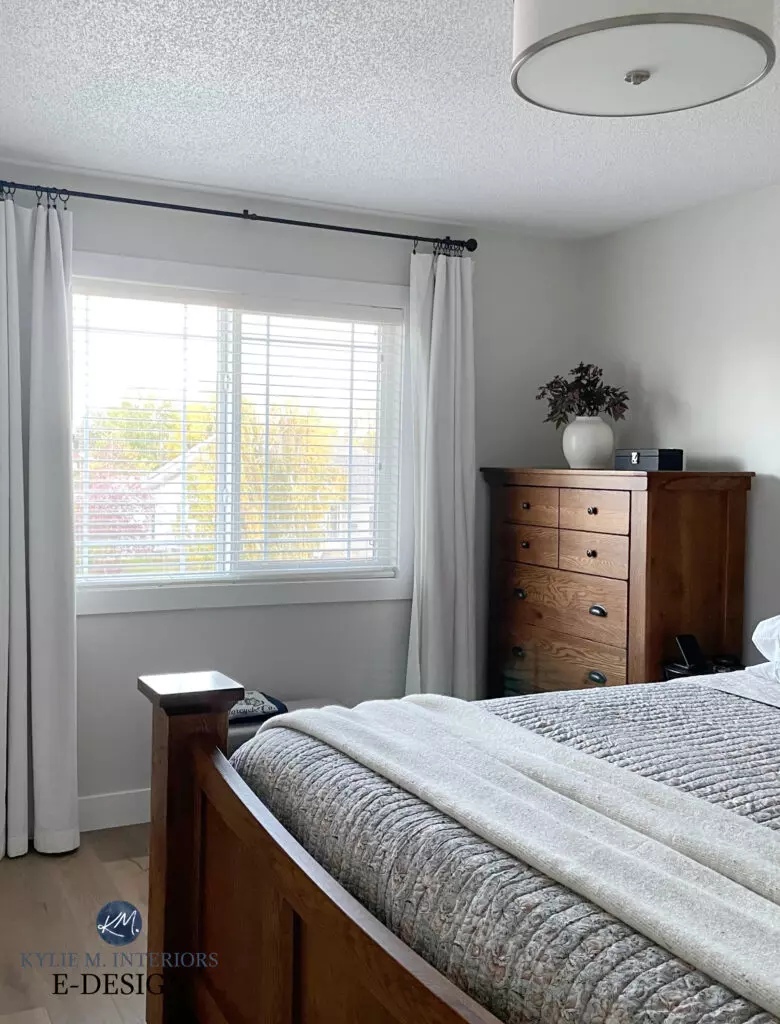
{"points": [[363, 476], [173, 469]]}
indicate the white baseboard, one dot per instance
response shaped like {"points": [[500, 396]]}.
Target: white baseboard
{"points": [[112, 810]]}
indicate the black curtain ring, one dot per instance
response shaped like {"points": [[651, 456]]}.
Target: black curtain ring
{"points": [[39, 195], [63, 195]]}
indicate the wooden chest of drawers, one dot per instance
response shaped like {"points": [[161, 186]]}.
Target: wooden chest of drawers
{"points": [[593, 574]]}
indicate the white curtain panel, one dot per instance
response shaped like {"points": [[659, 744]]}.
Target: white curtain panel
{"points": [[442, 645], [38, 789]]}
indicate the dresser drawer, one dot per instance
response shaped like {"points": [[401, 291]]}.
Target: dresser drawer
{"points": [[535, 659], [595, 511], [532, 506], [586, 606], [597, 554], [535, 545]]}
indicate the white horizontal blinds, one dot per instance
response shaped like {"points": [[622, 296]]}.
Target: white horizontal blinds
{"points": [[146, 384], [216, 443], [318, 445]]}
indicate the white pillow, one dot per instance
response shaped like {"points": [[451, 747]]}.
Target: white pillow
{"points": [[767, 639]]}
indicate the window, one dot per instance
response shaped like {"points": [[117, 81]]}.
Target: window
{"points": [[221, 444]]}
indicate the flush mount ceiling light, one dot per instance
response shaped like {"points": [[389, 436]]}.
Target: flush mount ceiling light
{"points": [[627, 58]]}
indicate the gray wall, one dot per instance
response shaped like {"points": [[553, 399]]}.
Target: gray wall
{"points": [[687, 314], [529, 303]]}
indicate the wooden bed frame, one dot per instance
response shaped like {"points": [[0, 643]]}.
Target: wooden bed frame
{"points": [[227, 881]]}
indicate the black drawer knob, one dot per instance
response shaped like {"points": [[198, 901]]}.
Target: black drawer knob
{"points": [[593, 511], [525, 545], [597, 678], [592, 553], [520, 594], [599, 611], [518, 652], [526, 505]]}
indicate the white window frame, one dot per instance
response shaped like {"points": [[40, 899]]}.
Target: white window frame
{"points": [[254, 289]]}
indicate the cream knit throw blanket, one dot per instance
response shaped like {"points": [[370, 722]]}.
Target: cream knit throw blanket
{"points": [[695, 878]]}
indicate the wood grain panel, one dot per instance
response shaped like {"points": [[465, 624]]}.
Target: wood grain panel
{"points": [[176, 820], [329, 986], [618, 480], [234, 888], [734, 588], [568, 602], [698, 586], [595, 511], [672, 481], [535, 545], [598, 554], [541, 660], [532, 506], [639, 671], [595, 479]]}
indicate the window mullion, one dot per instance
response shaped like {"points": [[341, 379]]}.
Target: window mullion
{"points": [[350, 469], [234, 454], [387, 442], [267, 437], [222, 445], [183, 531], [380, 432]]}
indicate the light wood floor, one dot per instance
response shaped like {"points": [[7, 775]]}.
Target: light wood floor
{"points": [[49, 904]]}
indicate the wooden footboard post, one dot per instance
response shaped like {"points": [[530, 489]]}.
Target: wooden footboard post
{"points": [[188, 709]]}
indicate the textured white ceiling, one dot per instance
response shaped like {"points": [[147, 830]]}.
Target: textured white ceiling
{"points": [[401, 106]]}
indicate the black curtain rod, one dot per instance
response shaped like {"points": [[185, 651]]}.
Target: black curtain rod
{"points": [[469, 245]]}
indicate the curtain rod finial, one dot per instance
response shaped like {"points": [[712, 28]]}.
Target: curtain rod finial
{"points": [[471, 245]]}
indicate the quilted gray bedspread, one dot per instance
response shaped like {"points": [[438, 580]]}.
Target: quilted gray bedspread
{"points": [[528, 949]]}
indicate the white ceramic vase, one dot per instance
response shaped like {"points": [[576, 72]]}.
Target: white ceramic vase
{"points": [[589, 443]]}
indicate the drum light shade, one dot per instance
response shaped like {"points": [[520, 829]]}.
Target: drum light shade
{"points": [[628, 58]]}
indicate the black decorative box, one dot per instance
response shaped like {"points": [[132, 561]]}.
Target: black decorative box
{"points": [[649, 460]]}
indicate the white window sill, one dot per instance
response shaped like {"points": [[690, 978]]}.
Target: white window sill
{"points": [[173, 597]]}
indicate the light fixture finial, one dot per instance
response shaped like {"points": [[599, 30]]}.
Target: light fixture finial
{"points": [[638, 77]]}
